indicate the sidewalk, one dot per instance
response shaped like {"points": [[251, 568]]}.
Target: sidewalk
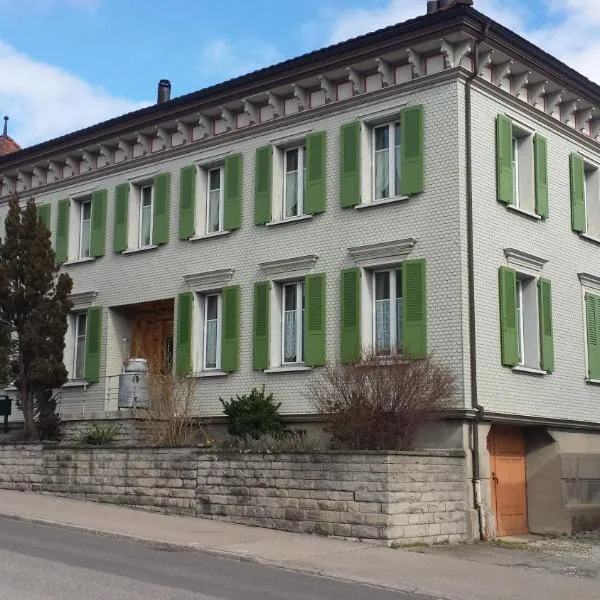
{"points": [[438, 575]]}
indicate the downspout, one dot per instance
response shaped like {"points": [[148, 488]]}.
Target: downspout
{"points": [[471, 289]]}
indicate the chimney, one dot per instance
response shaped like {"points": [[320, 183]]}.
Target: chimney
{"points": [[434, 6], [164, 91]]}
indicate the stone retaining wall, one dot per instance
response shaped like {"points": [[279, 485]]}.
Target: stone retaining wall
{"points": [[387, 497]]}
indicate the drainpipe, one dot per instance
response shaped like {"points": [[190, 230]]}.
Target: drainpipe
{"points": [[471, 289]]}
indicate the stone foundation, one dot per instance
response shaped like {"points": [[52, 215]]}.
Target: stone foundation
{"points": [[386, 497]]}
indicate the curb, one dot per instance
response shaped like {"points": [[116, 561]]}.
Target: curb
{"points": [[239, 556]]}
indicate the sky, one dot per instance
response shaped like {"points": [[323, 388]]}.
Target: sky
{"points": [[67, 64]]}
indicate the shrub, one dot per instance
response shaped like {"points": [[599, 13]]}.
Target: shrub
{"points": [[379, 403], [253, 415], [288, 442], [98, 435]]}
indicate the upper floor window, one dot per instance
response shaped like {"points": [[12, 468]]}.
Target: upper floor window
{"points": [[290, 180], [387, 156], [382, 160], [142, 213], [585, 196], [85, 228], [294, 184], [292, 323], [210, 198], [522, 171], [387, 313], [212, 332]]}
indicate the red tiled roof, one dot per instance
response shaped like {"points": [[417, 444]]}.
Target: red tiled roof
{"points": [[8, 145]]}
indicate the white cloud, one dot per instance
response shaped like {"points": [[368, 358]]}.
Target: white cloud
{"points": [[567, 29], [45, 101], [222, 59]]}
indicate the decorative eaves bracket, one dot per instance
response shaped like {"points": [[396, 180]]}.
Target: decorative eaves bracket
{"points": [[328, 89], [454, 53], [357, 80], [386, 70], [535, 91], [519, 82], [415, 60], [301, 95], [553, 100], [126, 148], [584, 116], [501, 71], [229, 118], [251, 110], [276, 102]]}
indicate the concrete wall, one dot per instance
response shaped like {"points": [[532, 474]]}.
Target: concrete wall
{"points": [[396, 497]]}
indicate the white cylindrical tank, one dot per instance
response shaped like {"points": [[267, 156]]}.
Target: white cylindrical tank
{"points": [[133, 384]]}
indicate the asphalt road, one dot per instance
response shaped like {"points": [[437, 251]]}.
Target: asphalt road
{"points": [[46, 563]]}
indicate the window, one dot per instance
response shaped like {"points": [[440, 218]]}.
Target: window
{"points": [[523, 170], [386, 161], [85, 228], [80, 322], [212, 332], [292, 323], [145, 216], [526, 321], [387, 311], [294, 185], [214, 201]]}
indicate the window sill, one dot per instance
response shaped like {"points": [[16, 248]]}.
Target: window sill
{"points": [[528, 370], [76, 383], [525, 213], [77, 261], [590, 238], [592, 381], [288, 369], [289, 220], [215, 373], [143, 249], [208, 236], [377, 203]]}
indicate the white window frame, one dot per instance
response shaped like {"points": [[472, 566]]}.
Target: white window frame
{"points": [[528, 321], [515, 167], [523, 166], [300, 316], [141, 188], [591, 198], [392, 191], [208, 171], [204, 300], [78, 339], [394, 272], [83, 202], [301, 187]]}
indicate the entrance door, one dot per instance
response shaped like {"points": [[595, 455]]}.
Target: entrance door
{"points": [[507, 451]]}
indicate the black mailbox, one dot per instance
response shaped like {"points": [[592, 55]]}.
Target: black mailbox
{"points": [[5, 406]]}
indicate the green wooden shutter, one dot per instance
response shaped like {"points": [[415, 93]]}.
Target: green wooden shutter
{"points": [[315, 173], [414, 318], [592, 306], [93, 344], [230, 339], [508, 317], [62, 232], [263, 183], [578, 216], [350, 327], [260, 349], [121, 217], [504, 167], [314, 323], [412, 166], [43, 212], [162, 195], [350, 165], [185, 310], [187, 202], [546, 335], [540, 145], [232, 209], [98, 226]]}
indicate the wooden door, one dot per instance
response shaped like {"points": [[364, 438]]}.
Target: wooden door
{"points": [[509, 489]]}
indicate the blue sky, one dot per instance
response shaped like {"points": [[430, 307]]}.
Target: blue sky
{"points": [[65, 64]]}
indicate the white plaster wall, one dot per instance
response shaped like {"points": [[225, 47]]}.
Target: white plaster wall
{"points": [[563, 394], [432, 218]]}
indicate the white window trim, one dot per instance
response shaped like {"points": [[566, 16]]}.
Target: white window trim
{"points": [[393, 192], [76, 335], [209, 281], [83, 202], [299, 289], [221, 169], [520, 323], [521, 366], [382, 254], [219, 295], [142, 187], [301, 174], [514, 145], [393, 274], [289, 268], [524, 263]]}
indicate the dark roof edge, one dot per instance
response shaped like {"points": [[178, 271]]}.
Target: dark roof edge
{"points": [[252, 82]]}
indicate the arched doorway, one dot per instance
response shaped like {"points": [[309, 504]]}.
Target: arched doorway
{"points": [[509, 489]]}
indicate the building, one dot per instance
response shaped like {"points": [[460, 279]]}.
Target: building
{"points": [[432, 186]]}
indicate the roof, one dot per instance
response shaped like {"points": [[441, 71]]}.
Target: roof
{"points": [[8, 145], [459, 16]]}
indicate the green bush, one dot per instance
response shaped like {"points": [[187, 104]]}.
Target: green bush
{"points": [[253, 415], [98, 435]]}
